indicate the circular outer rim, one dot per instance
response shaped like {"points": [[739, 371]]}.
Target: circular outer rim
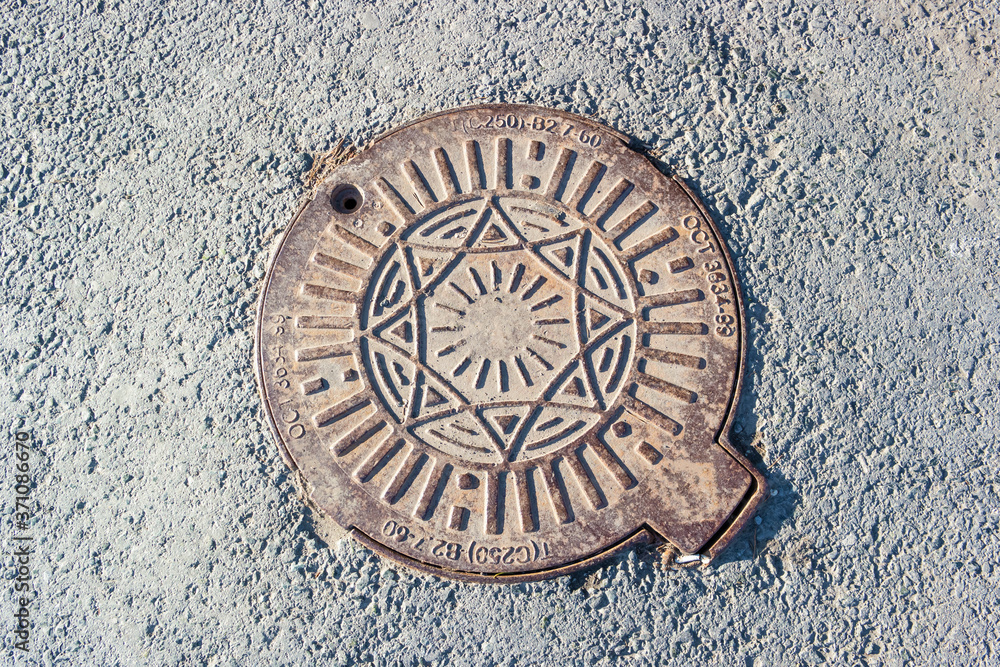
{"points": [[727, 532]]}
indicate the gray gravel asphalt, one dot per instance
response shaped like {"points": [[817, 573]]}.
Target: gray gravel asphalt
{"points": [[153, 151]]}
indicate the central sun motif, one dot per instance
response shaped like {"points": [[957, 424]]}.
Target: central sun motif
{"points": [[500, 327]]}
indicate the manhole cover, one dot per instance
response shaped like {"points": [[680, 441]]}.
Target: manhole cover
{"points": [[499, 345]]}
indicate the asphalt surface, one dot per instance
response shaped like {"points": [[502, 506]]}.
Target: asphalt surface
{"points": [[154, 151]]}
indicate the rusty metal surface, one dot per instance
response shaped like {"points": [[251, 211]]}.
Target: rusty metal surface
{"points": [[500, 345]]}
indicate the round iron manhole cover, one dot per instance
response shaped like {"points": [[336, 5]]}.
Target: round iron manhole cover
{"points": [[499, 344]]}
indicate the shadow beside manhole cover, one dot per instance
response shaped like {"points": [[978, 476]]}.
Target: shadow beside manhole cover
{"points": [[499, 345]]}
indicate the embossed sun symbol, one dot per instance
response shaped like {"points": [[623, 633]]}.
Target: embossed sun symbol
{"points": [[503, 323]]}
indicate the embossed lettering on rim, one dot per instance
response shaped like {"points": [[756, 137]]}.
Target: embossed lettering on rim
{"points": [[512, 348]]}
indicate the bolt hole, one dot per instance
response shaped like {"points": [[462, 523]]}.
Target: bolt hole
{"points": [[346, 199]]}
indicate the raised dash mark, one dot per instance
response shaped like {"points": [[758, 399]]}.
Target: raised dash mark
{"points": [[327, 293], [355, 241], [675, 328], [477, 281], [536, 150], [445, 351], [586, 184], [433, 488], [322, 352], [648, 452], [613, 465], [523, 371], [418, 183], [352, 439], [560, 506], [404, 475], [651, 414], [668, 388], [611, 202], [443, 165], [540, 359], [491, 516], [338, 265], [548, 341], [323, 322], [661, 238], [674, 358], [525, 502], [378, 459], [515, 279], [475, 166], [588, 485], [674, 298], [462, 292], [460, 313], [396, 202], [503, 164], [636, 217], [484, 372], [497, 276], [680, 264], [458, 370], [312, 386], [560, 173], [458, 518], [335, 413], [541, 305], [533, 287]]}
